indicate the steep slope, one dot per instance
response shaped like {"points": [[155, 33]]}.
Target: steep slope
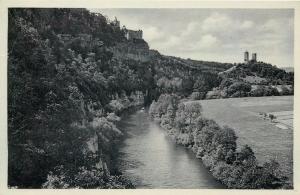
{"points": [[64, 91]]}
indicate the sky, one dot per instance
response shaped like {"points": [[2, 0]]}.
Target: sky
{"points": [[220, 35]]}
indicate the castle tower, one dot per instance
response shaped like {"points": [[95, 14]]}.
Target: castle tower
{"points": [[140, 34], [246, 57], [253, 57]]}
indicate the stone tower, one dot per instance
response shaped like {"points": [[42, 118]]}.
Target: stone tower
{"points": [[253, 57], [246, 57]]}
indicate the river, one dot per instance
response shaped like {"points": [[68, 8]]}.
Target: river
{"points": [[150, 159]]}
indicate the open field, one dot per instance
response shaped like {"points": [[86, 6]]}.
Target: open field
{"points": [[269, 139]]}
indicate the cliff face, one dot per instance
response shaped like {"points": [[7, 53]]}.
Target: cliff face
{"points": [[136, 49]]}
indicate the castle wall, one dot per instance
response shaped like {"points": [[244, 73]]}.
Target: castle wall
{"points": [[131, 34]]}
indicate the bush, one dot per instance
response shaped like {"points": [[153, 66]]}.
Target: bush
{"points": [[198, 95], [259, 91], [165, 105], [285, 91], [116, 106], [239, 87]]}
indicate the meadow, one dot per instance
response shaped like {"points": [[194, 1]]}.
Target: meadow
{"points": [[249, 117]]}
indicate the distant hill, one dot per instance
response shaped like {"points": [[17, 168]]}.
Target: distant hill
{"points": [[253, 79], [263, 72], [288, 69]]}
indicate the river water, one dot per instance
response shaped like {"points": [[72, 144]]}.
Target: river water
{"points": [[150, 159]]}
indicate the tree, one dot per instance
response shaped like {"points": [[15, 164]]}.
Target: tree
{"points": [[272, 117], [246, 154], [200, 85], [192, 111], [239, 87], [226, 138]]}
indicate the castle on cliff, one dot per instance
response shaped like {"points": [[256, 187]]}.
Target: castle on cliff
{"points": [[129, 34], [133, 34]]}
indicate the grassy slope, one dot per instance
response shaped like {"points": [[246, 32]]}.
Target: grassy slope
{"points": [[242, 114]]}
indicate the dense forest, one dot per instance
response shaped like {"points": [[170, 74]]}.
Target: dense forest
{"points": [[71, 73]]}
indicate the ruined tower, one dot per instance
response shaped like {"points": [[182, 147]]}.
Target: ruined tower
{"points": [[246, 57], [253, 57]]}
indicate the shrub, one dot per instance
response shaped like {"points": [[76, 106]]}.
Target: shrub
{"points": [[116, 106], [198, 95], [259, 91], [238, 88], [272, 117]]}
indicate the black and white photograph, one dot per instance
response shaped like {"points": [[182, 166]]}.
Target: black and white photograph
{"points": [[150, 98]]}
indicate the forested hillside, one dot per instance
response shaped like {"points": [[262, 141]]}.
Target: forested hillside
{"points": [[71, 73], [63, 97], [253, 79]]}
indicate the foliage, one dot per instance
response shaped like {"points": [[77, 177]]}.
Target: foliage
{"points": [[217, 147], [238, 89], [271, 80]]}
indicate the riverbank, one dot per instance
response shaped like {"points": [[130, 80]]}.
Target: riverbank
{"points": [[215, 146]]}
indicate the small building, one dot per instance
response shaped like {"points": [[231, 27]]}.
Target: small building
{"points": [[132, 34]]}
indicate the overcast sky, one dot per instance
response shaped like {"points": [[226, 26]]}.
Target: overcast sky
{"points": [[214, 34]]}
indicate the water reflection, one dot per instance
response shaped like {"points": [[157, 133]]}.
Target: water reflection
{"points": [[151, 160]]}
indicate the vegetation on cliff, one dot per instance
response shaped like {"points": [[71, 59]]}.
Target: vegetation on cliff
{"points": [[61, 97]]}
